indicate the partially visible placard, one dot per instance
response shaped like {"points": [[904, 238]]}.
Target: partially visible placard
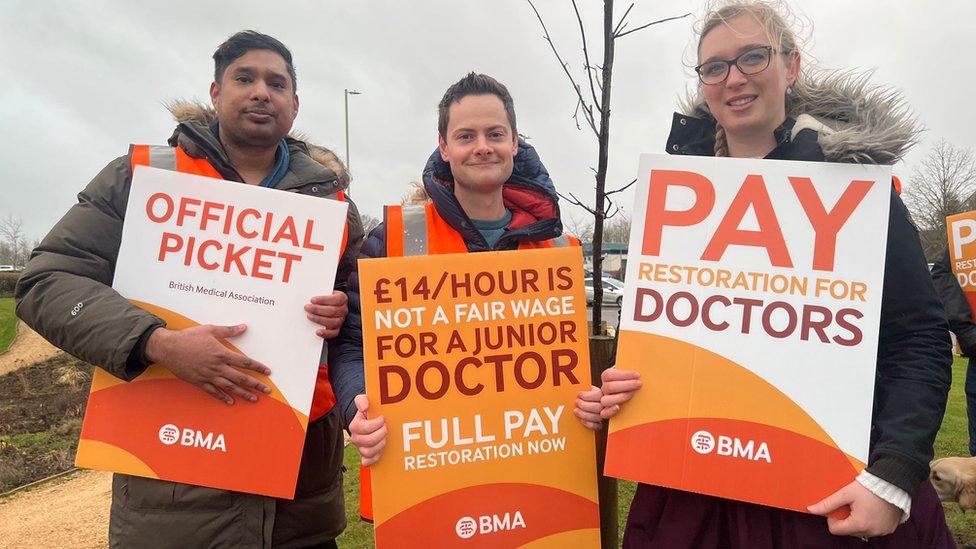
{"points": [[962, 252]]}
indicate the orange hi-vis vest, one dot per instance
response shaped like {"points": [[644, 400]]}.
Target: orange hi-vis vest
{"points": [[420, 230], [176, 159]]}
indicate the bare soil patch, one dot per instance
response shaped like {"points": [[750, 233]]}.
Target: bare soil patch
{"points": [[28, 347], [41, 408], [68, 512]]}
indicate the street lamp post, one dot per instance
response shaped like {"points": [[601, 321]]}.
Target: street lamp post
{"points": [[348, 92]]}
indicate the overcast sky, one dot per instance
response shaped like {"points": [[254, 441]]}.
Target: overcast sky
{"points": [[82, 80]]}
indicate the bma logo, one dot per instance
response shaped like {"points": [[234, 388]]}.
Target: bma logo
{"points": [[467, 527], [170, 434], [704, 443]]}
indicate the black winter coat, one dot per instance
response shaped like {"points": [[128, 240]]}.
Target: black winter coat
{"points": [[957, 309]]}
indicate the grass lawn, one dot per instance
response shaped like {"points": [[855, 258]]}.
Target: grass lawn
{"points": [[951, 441], [8, 322]]}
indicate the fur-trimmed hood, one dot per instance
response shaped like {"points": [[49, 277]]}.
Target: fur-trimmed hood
{"points": [[184, 111], [856, 121]]}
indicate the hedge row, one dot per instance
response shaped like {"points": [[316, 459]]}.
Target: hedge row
{"points": [[8, 281]]}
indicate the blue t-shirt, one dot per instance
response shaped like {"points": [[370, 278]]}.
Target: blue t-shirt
{"points": [[493, 230]]}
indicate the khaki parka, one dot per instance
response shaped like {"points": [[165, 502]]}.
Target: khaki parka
{"points": [[72, 270]]}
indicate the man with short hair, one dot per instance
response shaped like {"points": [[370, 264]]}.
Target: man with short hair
{"points": [[488, 191], [242, 139]]}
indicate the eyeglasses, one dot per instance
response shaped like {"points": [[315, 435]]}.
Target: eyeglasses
{"points": [[749, 62]]}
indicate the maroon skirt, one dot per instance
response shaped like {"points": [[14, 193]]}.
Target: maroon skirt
{"points": [[672, 519]]}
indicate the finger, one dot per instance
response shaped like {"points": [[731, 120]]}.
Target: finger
{"points": [[217, 393], [614, 387], [232, 389], [334, 299], [326, 333], [593, 395], [363, 426], [592, 425], [326, 310], [608, 401], [830, 503], [609, 412], [584, 416], [587, 406], [245, 380], [362, 404], [367, 462], [222, 332], [613, 374], [238, 360], [372, 443], [328, 321]]}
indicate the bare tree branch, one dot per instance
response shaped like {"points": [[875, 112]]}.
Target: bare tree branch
{"points": [[586, 57], [576, 114], [620, 24], [576, 87], [666, 19], [622, 189], [572, 199]]}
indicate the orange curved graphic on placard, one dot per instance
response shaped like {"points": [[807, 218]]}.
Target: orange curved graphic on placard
{"points": [[719, 388], [193, 453], [92, 452], [435, 522], [724, 471], [176, 321], [721, 398]]}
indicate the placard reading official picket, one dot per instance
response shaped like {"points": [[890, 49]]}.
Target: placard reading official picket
{"points": [[196, 251], [752, 309], [962, 246], [474, 361]]}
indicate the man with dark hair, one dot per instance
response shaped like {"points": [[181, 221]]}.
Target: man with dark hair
{"points": [[243, 138], [488, 190]]}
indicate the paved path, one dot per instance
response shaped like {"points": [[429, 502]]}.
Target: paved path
{"points": [[70, 511], [28, 347]]}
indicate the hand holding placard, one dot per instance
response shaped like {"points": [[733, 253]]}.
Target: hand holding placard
{"points": [[196, 356], [588, 408], [619, 386], [368, 435], [329, 311], [867, 514]]}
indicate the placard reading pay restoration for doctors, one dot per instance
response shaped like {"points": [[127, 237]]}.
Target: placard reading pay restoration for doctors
{"points": [[752, 309], [196, 251]]}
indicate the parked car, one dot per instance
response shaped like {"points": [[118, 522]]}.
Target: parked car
{"points": [[613, 291]]}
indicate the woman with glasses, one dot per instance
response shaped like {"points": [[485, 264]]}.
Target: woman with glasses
{"points": [[755, 101]]}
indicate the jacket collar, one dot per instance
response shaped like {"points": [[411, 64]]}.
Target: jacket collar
{"points": [[197, 133], [696, 136]]}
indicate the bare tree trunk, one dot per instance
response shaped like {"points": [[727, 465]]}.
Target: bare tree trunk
{"points": [[601, 171]]}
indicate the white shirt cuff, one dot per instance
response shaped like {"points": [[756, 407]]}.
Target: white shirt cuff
{"points": [[888, 492]]}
